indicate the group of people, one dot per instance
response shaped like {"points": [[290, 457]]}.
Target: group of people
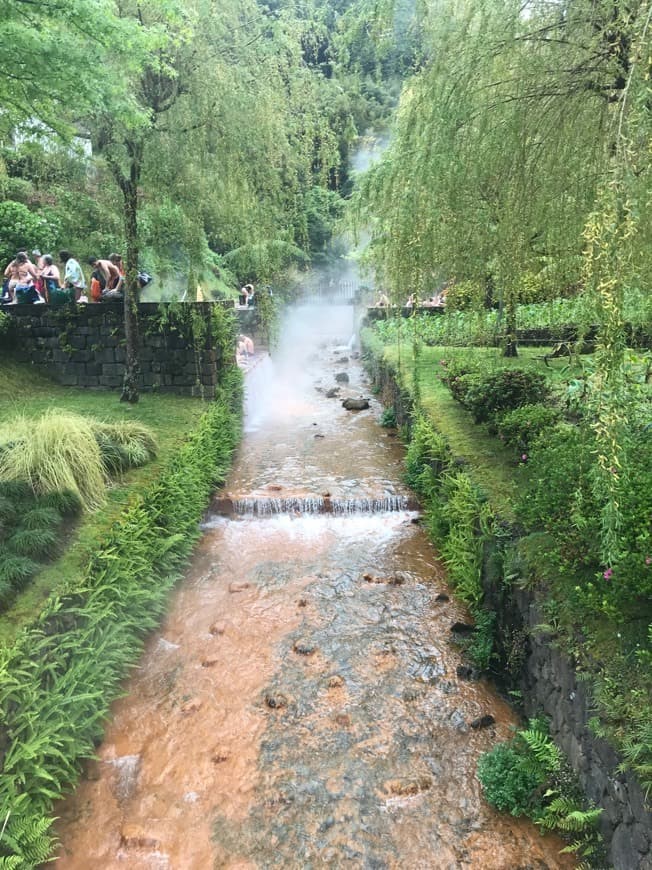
{"points": [[437, 300], [41, 280]]}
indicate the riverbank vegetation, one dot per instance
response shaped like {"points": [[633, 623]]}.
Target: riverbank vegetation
{"points": [[517, 181], [60, 674]]}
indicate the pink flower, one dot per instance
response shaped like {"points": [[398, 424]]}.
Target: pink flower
{"points": [[523, 457], [648, 560], [608, 574]]}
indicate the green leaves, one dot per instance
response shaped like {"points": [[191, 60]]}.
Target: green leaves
{"points": [[57, 681]]}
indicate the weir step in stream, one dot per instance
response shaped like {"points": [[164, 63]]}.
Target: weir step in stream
{"points": [[300, 705]]}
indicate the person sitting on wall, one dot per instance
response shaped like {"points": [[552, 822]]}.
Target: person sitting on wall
{"points": [[21, 277], [116, 259], [74, 283], [50, 276], [382, 301], [111, 277], [411, 301]]}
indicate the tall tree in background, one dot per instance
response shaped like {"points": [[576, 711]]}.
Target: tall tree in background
{"points": [[228, 123]]}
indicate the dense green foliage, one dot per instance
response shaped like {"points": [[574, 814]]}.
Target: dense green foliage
{"points": [[527, 776], [60, 676], [210, 144]]}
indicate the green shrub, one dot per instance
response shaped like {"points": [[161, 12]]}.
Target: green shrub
{"points": [[427, 455], [54, 453], [528, 776], [388, 418], [66, 503], [511, 772], [504, 390], [37, 543], [125, 444], [508, 779], [559, 497], [480, 645], [519, 428], [457, 524], [22, 229], [15, 569], [460, 377], [465, 296]]}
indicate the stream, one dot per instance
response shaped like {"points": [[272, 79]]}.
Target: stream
{"points": [[299, 706]]}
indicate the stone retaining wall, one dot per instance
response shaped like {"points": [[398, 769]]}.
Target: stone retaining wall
{"points": [[83, 345], [548, 682]]}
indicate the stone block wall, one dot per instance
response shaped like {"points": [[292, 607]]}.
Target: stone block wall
{"points": [[84, 346]]}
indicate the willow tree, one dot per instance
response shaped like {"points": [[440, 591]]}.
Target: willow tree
{"points": [[55, 60], [501, 143], [227, 123]]}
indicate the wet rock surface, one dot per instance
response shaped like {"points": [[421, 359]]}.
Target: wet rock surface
{"points": [[330, 728]]}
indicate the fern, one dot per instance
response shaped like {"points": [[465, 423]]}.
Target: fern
{"points": [[544, 752], [28, 840]]}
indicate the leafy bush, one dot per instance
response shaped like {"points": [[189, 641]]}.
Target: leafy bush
{"points": [[22, 230], [460, 377], [28, 534], [428, 454], [511, 772], [388, 418], [504, 390], [528, 776], [518, 428], [562, 498], [465, 295], [70, 455], [509, 779]]}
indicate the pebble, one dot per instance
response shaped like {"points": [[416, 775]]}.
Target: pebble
{"points": [[483, 721], [335, 682], [304, 647], [276, 701], [191, 706], [209, 662], [217, 628]]}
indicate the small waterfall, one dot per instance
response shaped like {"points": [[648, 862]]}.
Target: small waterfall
{"points": [[127, 769], [254, 506]]}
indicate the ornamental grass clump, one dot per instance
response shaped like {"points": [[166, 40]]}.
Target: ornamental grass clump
{"points": [[125, 444], [55, 453]]}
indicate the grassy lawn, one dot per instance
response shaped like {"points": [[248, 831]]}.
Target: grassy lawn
{"points": [[25, 392], [492, 466]]}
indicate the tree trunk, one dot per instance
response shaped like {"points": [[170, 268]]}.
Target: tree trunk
{"points": [[131, 291], [510, 348]]}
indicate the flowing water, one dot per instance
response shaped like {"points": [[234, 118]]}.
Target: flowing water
{"points": [[299, 707]]}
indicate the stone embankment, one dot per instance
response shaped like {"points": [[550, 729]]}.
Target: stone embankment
{"points": [[84, 346]]}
